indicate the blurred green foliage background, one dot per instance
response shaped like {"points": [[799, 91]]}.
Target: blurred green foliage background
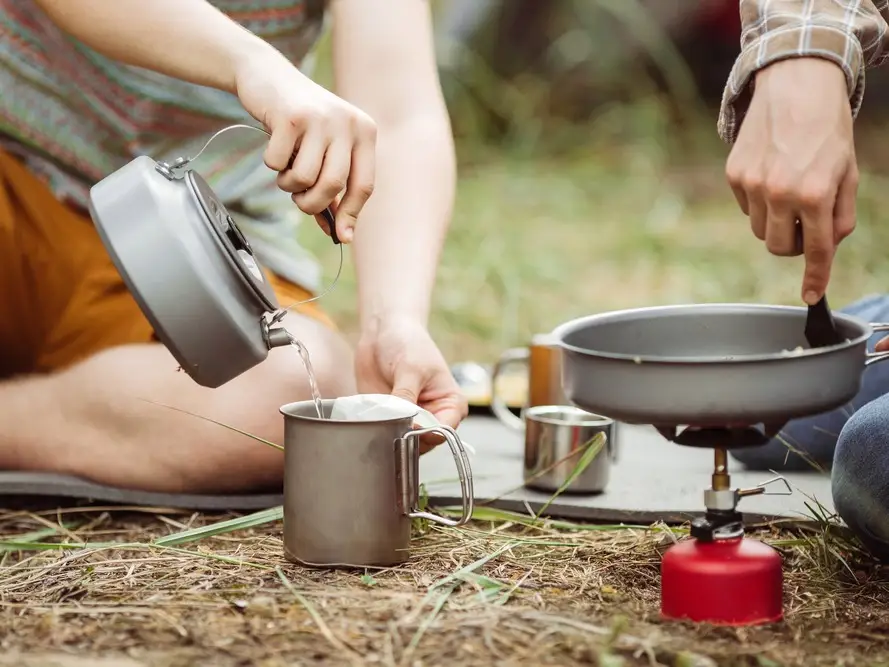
{"points": [[591, 176]]}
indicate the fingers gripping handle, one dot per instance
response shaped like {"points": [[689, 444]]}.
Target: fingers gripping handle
{"points": [[327, 214]]}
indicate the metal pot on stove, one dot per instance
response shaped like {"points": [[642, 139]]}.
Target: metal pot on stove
{"points": [[189, 267], [743, 369]]}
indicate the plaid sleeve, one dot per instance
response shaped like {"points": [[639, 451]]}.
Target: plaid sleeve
{"points": [[851, 33]]}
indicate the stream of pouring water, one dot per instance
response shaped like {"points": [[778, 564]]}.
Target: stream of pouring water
{"points": [[313, 383]]}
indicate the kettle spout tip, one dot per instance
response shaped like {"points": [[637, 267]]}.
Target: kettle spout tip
{"points": [[278, 337]]}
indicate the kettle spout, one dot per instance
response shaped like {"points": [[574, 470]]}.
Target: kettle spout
{"points": [[278, 337]]}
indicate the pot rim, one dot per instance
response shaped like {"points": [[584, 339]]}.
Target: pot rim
{"points": [[561, 332]]}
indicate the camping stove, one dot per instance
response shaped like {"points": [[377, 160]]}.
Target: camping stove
{"points": [[723, 371], [719, 576]]}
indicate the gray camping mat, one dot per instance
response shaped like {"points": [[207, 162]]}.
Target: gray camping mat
{"points": [[653, 480]]}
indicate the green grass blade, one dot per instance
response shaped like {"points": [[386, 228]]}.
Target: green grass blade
{"points": [[319, 621], [32, 545], [222, 527], [9, 545], [591, 450], [440, 601], [459, 575], [36, 535], [495, 515], [442, 589]]}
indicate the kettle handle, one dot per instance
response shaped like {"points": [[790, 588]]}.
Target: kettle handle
{"points": [[327, 214], [168, 170]]}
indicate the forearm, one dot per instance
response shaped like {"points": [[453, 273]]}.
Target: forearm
{"points": [[185, 39], [850, 33], [384, 63], [400, 234]]}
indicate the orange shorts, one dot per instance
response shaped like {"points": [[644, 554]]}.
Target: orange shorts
{"points": [[61, 298]]}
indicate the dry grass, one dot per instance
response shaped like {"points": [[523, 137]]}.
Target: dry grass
{"points": [[492, 593]]}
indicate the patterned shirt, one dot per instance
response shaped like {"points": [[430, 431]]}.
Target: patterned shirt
{"points": [[851, 33], [74, 116]]}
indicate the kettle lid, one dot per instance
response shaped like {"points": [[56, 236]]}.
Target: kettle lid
{"points": [[189, 268], [231, 240]]}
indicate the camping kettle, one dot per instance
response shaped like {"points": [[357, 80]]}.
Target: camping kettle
{"points": [[189, 267]]}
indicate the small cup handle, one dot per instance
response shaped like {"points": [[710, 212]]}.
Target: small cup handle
{"points": [[410, 473], [517, 355], [876, 357]]}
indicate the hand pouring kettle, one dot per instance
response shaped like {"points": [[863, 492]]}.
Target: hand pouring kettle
{"points": [[189, 267]]}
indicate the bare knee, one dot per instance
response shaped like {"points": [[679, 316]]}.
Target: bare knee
{"points": [[284, 373], [138, 444], [280, 380], [259, 394]]}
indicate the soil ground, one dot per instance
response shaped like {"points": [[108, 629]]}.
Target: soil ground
{"points": [[492, 593]]}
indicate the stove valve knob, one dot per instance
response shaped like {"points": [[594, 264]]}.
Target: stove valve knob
{"points": [[760, 489]]}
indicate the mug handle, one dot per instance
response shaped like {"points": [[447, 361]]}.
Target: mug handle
{"points": [[498, 405], [409, 467]]}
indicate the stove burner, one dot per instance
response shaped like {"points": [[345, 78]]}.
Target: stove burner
{"points": [[727, 437]]}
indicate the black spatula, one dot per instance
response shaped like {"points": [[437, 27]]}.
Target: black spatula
{"points": [[821, 330]]}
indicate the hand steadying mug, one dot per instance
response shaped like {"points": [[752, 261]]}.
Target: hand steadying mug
{"points": [[399, 357]]}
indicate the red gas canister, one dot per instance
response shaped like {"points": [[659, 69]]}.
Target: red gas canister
{"points": [[733, 581]]}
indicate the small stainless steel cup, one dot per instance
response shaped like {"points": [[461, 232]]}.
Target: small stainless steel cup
{"points": [[543, 358], [351, 488], [556, 436]]}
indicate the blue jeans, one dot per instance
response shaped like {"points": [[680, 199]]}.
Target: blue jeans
{"points": [[852, 442]]}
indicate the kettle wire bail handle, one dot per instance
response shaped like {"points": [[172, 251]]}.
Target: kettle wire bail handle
{"points": [[176, 170], [279, 315], [410, 462]]}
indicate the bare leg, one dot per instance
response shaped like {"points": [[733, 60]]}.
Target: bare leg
{"points": [[89, 420]]}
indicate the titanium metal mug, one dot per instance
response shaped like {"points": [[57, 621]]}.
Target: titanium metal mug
{"points": [[351, 488], [556, 436]]}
